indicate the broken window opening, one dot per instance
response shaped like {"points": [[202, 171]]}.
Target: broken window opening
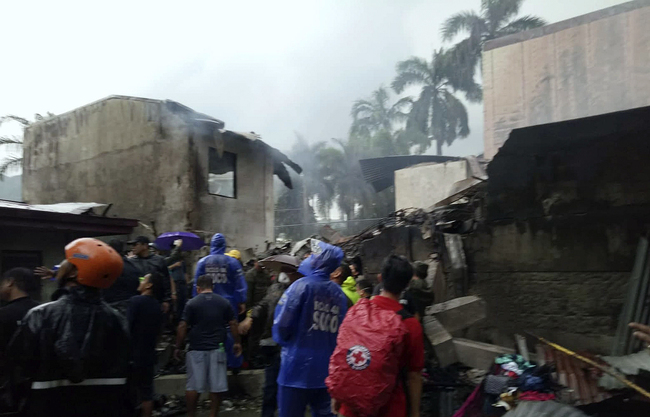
{"points": [[222, 176]]}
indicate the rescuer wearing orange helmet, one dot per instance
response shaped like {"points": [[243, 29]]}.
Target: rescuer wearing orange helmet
{"points": [[75, 351]]}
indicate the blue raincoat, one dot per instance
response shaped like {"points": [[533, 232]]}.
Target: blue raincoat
{"points": [[226, 273], [307, 320], [228, 281]]}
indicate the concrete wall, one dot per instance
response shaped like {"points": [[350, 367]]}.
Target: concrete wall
{"points": [[567, 204], [149, 159], [424, 185], [593, 64], [248, 220]]}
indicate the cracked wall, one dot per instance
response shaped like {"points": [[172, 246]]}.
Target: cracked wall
{"points": [[148, 159]]}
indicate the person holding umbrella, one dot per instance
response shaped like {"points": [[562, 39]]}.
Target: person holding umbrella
{"points": [[263, 313], [177, 268]]}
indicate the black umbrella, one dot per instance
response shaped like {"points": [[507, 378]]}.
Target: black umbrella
{"points": [[276, 262]]}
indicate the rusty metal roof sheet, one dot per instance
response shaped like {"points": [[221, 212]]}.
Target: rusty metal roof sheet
{"points": [[580, 378]]}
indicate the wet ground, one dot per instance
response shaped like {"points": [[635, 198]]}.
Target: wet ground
{"points": [[234, 413], [231, 407]]}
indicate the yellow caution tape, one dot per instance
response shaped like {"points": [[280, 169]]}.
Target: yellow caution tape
{"points": [[605, 369]]}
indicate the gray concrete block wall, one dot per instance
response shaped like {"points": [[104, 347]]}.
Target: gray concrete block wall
{"points": [[566, 206], [573, 69]]}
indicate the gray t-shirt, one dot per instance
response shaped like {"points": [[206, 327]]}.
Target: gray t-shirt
{"points": [[207, 315]]}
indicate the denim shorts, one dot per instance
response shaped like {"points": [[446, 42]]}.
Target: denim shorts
{"points": [[207, 371]]}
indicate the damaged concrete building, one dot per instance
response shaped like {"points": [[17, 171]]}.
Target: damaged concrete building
{"points": [[566, 206], [160, 162], [549, 238], [549, 241], [592, 64]]}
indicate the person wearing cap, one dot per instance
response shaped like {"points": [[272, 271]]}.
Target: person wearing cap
{"points": [[235, 254], [148, 263], [75, 351]]}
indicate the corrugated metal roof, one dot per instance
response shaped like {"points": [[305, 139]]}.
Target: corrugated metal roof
{"points": [[69, 208], [544, 409], [628, 365], [580, 379], [73, 217], [380, 172]]}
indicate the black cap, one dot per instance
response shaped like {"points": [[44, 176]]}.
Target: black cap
{"points": [[139, 239]]}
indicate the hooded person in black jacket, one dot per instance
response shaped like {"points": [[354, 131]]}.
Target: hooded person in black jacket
{"points": [[74, 353]]}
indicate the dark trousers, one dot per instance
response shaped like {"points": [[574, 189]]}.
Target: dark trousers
{"points": [[181, 298], [271, 371], [293, 402]]}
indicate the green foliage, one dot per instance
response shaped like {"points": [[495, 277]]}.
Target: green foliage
{"points": [[437, 114], [13, 142], [496, 18]]}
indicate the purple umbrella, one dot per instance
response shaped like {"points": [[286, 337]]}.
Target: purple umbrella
{"points": [[190, 240]]}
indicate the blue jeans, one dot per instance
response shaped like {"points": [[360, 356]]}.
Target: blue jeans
{"points": [[271, 371], [293, 402]]}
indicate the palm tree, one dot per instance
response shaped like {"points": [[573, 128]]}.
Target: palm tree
{"points": [[341, 172], [497, 18], [437, 114], [16, 161], [12, 161], [373, 115]]}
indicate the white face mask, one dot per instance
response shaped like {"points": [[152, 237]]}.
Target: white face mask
{"points": [[283, 278]]}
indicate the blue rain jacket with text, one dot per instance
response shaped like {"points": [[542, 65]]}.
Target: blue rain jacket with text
{"points": [[228, 281], [307, 320], [227, 276]]}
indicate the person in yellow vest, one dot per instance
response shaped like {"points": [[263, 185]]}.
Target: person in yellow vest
{"points": [[343, 276]]}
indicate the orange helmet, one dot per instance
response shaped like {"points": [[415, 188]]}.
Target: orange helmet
{"points": [[98, 265]]}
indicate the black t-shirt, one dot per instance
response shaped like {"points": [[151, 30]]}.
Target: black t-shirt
{"points": [[145, 322], [10, 317], [207, 315], [126, 285]]}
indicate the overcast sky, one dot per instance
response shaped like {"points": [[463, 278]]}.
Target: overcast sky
{"points": [[273, 67]]}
